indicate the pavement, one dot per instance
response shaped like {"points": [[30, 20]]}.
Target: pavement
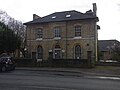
{"points": [[108, 71]]}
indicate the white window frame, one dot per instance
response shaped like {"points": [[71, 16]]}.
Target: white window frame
{"points": [[55, 50], [39, 34], [77, 30], [57, 34]]}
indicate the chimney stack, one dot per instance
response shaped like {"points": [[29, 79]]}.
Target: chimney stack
{"points": [[94, 9], [35, 16]]}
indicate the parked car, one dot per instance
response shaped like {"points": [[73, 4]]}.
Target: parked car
{"points": [[6, 63]]}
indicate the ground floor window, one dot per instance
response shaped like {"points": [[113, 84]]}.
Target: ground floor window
{"points": [[39, 52], [77, 52]]}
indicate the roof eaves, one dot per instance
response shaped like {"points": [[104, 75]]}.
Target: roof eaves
{"points": [[36, 22], [48, 18]]}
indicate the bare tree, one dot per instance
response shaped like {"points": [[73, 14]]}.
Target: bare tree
{"points": [[115, 49], [15, 25]]}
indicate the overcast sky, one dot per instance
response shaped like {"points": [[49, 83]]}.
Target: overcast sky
{"points": [[108, 12]]}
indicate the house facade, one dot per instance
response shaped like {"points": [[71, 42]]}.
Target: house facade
{"points": [[67, 35]]}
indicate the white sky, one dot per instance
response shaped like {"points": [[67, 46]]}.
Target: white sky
{"points": [[108, 12]]}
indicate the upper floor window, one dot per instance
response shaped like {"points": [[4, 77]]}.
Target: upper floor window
{"points": [[77, 31], [57, 32], [39, 33]]}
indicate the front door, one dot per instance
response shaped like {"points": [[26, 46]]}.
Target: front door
{"points": [[57, 52], [89, 55]]}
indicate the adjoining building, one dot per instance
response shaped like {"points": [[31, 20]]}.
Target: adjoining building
{"points": [[67, 35], [107, 49]]}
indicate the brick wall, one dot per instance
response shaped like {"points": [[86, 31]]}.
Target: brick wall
{"points": [[67, 34]]}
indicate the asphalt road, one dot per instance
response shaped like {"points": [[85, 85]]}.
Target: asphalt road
{"points": [[43, 80]]}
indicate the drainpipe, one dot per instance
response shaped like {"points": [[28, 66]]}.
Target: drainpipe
{"points": [[96, 33], [30, 45], [66, 38], [96, 43]]}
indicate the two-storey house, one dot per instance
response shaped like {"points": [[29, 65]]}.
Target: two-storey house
{"points": [[67, 34]]}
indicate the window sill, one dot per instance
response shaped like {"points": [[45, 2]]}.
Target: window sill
{"points": [[57, 38], [38, 60], [39, 39], [77, 37]]}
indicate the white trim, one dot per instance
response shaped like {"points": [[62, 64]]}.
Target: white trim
{"points": [[77, 37], [57, 38], [38, 60], [39, 39], [50, 50], [71, 38]]}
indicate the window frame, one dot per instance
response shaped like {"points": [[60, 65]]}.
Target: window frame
{"points": [[39, 33], [77, 53], [39, 52], [57, 52], [57, 32], [77, 30]]}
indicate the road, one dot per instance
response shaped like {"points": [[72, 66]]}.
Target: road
{"points": [[43, 80]]}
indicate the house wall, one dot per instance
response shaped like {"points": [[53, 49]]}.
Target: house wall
{"points": [[67, 41], [106, 55]]}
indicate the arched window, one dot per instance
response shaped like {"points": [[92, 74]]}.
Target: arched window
{"points": [[57, 52], [77, 52], [39, 52]]}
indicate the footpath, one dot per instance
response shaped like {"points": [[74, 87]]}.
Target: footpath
{"points": [[108, 71]]}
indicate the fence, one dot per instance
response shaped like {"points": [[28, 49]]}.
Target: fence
{"points": [[108, 64], [26, 62]]}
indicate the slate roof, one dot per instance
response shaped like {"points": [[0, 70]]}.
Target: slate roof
{"points": [[61, 16], [105, 44]]}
